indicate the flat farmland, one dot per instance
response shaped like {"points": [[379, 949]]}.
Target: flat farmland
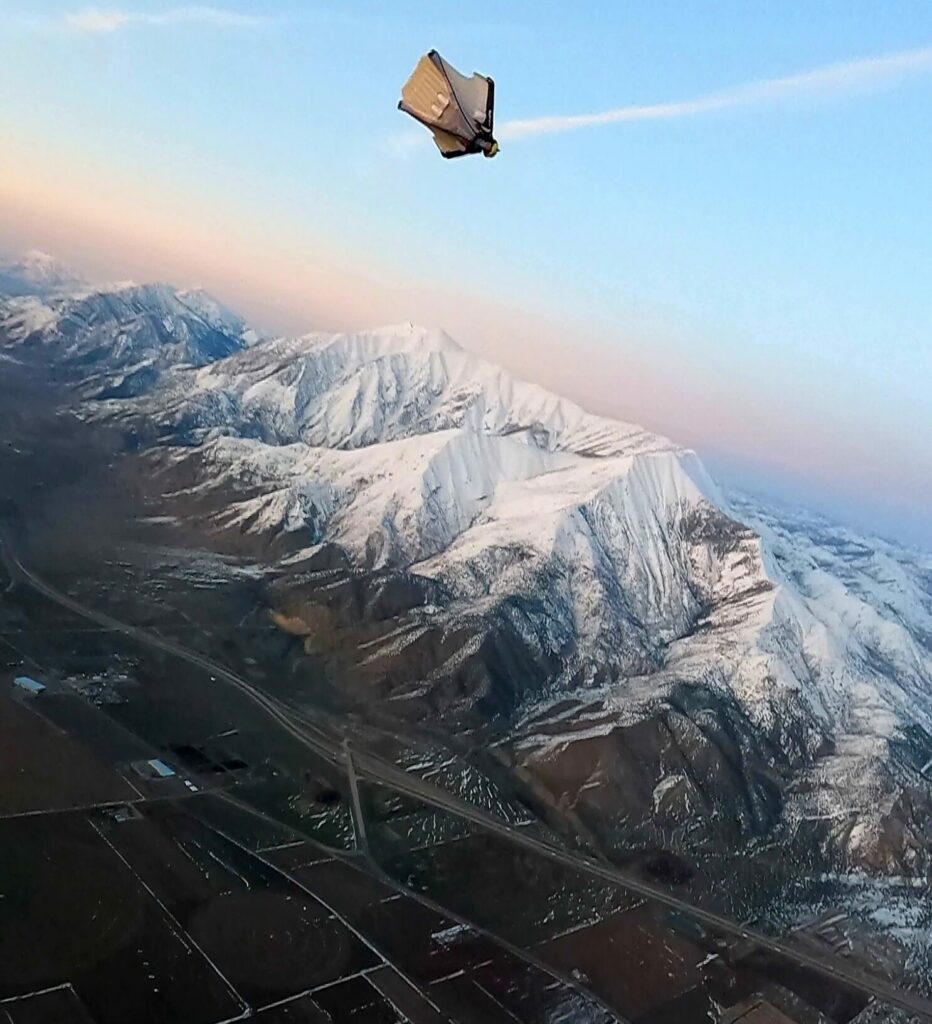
{"points": [[516, 893], [630, 959], [267, 937], [72, 912], [42, 768], [466, 973], [56, 1006]]}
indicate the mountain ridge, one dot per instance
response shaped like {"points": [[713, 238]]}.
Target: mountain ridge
{"points": [[576, 584]]}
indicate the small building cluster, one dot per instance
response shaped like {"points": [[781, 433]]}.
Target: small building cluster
{"points": [[29, 686]]}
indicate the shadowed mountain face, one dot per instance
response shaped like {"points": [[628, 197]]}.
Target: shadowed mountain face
{"points": [[115, 340], [443, 543]]}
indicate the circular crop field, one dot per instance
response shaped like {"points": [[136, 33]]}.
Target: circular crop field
{"points": [[272, 941], [67, 904]]}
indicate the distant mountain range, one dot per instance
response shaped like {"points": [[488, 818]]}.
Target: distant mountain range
{"points": [[666, 660], [37, 274]]}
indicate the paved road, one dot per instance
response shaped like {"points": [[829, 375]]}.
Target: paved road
{"points": [[8, 567], [324, 745], [366, 765], [396, 779]]}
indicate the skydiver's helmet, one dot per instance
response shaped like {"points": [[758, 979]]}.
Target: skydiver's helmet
{"points": [[457, 110]]}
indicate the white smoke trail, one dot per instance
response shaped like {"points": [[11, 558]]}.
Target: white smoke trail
{"points": [[830, 80]]}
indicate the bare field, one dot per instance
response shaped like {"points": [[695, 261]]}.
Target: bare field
{"points": [[357, 1000], [512, 892], [266, 936], [58, 1006], [74, 913], [630, 959], [42, 768]]}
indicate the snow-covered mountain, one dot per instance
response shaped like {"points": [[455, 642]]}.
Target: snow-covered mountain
{"points": [[37, 273], [605, 553], [117, 338], [351, 390], [663, 659]]}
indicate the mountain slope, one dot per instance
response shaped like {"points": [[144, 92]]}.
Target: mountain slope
{"points": [[671, 665], [634, 598], [117, 339], [352, 390]]}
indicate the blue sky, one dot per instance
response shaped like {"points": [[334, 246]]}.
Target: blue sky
{"points": [[755, 280]]}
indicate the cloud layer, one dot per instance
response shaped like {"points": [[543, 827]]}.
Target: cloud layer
{"points": [[831, 80], [97, 19]]}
